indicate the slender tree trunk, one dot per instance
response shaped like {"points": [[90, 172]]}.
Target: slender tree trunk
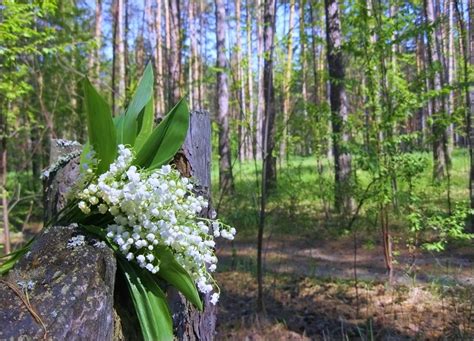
{"points": [[260, 92], [450, 74], [471, 108], [243, 131], [118, 72], [155, 30], [194, 62], [316, 54], [339, 108], [269, 95], [140, 41], [269, 161], [438, 131], [126, 58], [287, 83], [94, 59], [175, 52], [226, 181], [168, 54], [252, 143], [304, 67], [3, 174]]}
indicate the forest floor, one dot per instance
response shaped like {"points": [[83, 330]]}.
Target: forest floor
{"points": [[310, 293], [309, 287]]}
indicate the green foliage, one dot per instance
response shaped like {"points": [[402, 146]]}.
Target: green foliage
{"points": [[150, 302], [102, 134], [132, 125], [441, 228], [174, 274], [166, 138]]}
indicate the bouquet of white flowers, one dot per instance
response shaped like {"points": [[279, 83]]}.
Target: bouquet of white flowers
{"points": [[141, 207]]}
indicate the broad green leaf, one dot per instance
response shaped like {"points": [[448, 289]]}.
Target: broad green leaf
{"points": [[128, 130], [102, 134], [145, 124], [177, 276], [118, 123], [149, 301], [166, 138]]}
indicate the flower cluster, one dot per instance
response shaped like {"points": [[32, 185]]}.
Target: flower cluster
{"points": [[156, 208]]}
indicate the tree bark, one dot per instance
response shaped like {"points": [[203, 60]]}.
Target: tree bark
{"points": [[287, 83], [4, 174], [243, 126], [339, 108], [252, 141], [260, 91], [94, 60], [471, 108], [304, 67], [174, 52], [193, 60], [159, 84], [268, 135], [118, 71], [438, 130], [269, 167], [451, 57], [226, 181]]}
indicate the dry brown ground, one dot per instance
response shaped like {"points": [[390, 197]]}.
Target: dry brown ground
{"points": [[310, 294]]}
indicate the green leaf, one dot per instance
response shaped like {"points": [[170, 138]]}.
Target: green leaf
{"points": [[14, 257], [166, 138], [102, 134], [145, 125], [143, 94], [177, 276], [149, 301]]}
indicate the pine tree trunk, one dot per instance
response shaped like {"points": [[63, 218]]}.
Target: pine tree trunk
{"points": [[194, 61], [175, 52], [304, 67], [438, 130], [252, 139], [155, 31], [94, 59], [339, 108], [118, 72], [243, 131], [226, 181], [451, 74]]}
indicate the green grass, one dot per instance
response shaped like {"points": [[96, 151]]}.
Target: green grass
{"points": [[302, 203]]}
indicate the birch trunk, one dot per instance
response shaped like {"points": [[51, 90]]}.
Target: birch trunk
{"points": [[226, 181], [287, 83]]}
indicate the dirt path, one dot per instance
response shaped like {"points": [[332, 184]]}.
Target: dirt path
{"points": [[335, 259]]}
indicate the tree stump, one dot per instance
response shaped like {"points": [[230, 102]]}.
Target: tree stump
{"points": [[65, 288]]}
